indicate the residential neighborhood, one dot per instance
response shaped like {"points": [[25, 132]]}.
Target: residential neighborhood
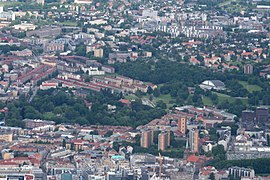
{"points": [[134, 89]]}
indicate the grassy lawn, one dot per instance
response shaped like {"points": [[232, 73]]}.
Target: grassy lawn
{"points": [[207, 101], [250, 88], [131, 97], [42, 23], [166, 98], [221, 98], [244, 101], [224, 97], [68, 23], [226, 3], [265, 174]]}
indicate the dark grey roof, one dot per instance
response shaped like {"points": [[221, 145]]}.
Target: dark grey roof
{"points": [[218, 83]]}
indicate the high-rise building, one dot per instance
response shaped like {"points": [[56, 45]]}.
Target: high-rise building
{"points": [[248, 69], [248, 117], [182, 124], [163, 141], [262, 115], [169, 135], [194, 140], [147, 138]]}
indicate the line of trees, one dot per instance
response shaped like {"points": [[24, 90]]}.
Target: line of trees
{"points": [[63, 107], [261, 166]]}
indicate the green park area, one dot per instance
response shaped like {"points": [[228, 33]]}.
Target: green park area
{"points": [[206, 100], [225, 3], [233, 6], [165, 98], [222, 98], [68, 23], [249, 87]]}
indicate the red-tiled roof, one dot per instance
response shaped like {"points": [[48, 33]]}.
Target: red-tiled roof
{"points": [[193, 158]]}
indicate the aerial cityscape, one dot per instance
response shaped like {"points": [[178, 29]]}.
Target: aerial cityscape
{"points": [[134, 90]]}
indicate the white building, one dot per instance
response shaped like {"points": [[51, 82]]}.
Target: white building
{"points": [[149, 13], [208, 146], [69, 75], [212, 84], [98, 22], [92, 71], [225, 136], [48, 85], [9, 16]]}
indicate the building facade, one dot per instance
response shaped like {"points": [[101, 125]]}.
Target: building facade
{"points": [[248, 69], [182, 124], [147, 138], [33, 123], [6, 136], [98, 53], [238, 172], [262, 115], [163, 141], [194, 140], [248, 119]]}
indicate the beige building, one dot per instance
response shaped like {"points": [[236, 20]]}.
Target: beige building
{"points": [[148, 54], [54, 47], [147, 138], [98, 53], [6, 136], [182, 125], [75, 145], [23, 53], [163, 141], [7, 155], [24, 26]]}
